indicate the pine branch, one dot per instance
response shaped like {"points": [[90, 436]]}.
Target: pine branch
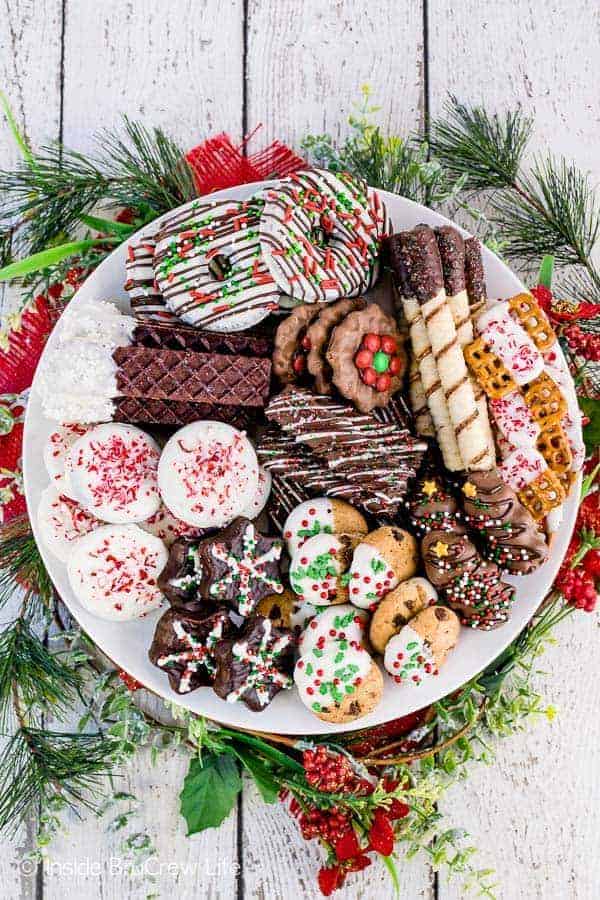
{"points": [[21, 564]]}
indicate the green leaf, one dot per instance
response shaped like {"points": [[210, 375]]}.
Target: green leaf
{"points": [[209, 791], [108, 226], [591, 431], [19, 139], [388, 862], [262, 775], [45, 258], [546, 271]]}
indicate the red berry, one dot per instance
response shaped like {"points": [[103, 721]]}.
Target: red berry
{"points": [[363, 359], [384, 382], [369, 376], [388, 344], [381, 833], [395, 365], [591, 563], [372, 342], [589, 513]]}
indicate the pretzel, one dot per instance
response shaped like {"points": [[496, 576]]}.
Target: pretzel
{"points": [[542, 494], [567, 480], [533, 319], [544, 399], [488, 369], [553, 444]]}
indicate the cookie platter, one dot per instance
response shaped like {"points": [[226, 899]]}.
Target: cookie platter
{"points": [[338, 565]]}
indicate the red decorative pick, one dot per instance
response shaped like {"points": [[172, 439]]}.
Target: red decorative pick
{"points": [[25, 345]]}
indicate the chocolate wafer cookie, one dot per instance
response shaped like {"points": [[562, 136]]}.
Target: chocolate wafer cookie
{"points": [[181, 337], [213, 378], [173, 413]]}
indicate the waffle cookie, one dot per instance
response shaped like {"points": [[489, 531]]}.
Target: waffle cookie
{"points": [[180, 337], [173, 413]]}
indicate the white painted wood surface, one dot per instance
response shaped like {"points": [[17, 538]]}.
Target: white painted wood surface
{"points": [[201, 66]]}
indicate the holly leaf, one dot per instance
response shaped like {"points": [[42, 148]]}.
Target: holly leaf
{"points": [[591, 431], [209, 791], [263, 777]]}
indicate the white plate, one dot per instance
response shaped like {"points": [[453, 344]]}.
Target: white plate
{"points": [[127, 643]]}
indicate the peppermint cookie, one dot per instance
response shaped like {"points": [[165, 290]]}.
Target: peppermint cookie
{"points": [[240, 566], [183, 647], [261, 495], [321, 516], [208, 474], [317, 568], [383, 558], [61, 521], [339, 623], [257, 665], [397, 608], [418, 651], [111, 471], [318, 236], [209, 268], [56, 450], [164, 525], [339, 683], [113, 571]]}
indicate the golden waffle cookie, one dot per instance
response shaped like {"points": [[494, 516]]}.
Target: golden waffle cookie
{"points": [[545, 401], [533, 319], [543, 494], [553, 444], [489, 371]]}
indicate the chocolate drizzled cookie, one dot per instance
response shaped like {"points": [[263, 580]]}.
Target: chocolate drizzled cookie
{"points": [[510, 535], [180, 580], [183, 646]]}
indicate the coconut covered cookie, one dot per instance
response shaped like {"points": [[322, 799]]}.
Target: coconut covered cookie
{"points": [[382, 560], [317, 569], [418, 651], [339, 683], [322, 515], [397, 608]]}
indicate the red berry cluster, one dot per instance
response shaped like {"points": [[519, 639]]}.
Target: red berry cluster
{"points": [[579, 589], [583, 343], [377, 360], [332, 773]]}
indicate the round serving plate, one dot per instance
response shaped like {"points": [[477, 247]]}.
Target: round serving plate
{"points": [[127, 643]]}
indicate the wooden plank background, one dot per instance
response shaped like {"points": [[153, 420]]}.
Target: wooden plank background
{"points": [[201, 66]]}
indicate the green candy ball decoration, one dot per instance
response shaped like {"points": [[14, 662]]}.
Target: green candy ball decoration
{"points": [[381, 362]]}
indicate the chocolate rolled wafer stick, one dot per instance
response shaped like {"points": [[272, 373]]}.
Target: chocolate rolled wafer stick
{"points": [[451, 246], [417, 251], [412, 286], [474, 277]]}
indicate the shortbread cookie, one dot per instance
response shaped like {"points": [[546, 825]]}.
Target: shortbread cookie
{"points": [[418, 651], [113, 571], [339, 623], [61, 521], [209, 268], [318, 235], [397, 608], [383, 558], [55, 453], [339, 684], [318, 335], [322, 515], [317, 568], [112, 472], [208, 474], [183, 647]]}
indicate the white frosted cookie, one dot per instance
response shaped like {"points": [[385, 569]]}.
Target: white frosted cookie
{"points": [[317, 567], [164, 525], [208, 473], [209, 268], [113, 571], [342, 623], [322, 515], [112, 472], [55, 452], [409, 659], [61, 521], [263, 490], [371, 577]]}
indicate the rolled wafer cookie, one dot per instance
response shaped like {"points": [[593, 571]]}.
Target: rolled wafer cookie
{"points": [[425, 283], [451, 246], [424, 266], [474, 276], [418, 401]]}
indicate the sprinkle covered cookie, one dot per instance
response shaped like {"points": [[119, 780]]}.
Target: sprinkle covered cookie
{"points": [[322, 515], [184, 646], [336, 623], [318, 568]]}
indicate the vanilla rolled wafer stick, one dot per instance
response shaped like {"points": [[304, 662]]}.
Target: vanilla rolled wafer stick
{"points": [[409, 291], [451, 245], [418, 251], [418, 401]]}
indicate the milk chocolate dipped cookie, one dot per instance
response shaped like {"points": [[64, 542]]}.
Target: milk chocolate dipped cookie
{"points": [[318, 335], [183, 646], [367, 358], [292, 343], [255, 666], [432, 506], [240, 566], [510, 534]]}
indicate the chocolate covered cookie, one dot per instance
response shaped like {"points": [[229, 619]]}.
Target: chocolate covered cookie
{"points": [[183, 646], [180, 580], [318, 335], [292, 343]]}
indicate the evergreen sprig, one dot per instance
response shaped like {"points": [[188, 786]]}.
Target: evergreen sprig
{"points": [[21, 565]]}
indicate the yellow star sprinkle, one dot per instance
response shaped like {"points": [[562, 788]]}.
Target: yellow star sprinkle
{"points": [[430, 488], [440, 549], [469, 489]]}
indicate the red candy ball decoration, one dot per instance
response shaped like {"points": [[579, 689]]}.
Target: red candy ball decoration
{"points": [[372, 342], [364, 359], [377, 361]]}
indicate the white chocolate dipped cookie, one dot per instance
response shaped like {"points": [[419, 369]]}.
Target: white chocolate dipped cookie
{"points": [[340, 623], [340, 683], [164, 525], [322, 515], [61, 521], [114, 570], [418, 651], [112, 472], [208, 474], [55, 452], [261, 495], [383, 559], [317, 568], [398, 607]]}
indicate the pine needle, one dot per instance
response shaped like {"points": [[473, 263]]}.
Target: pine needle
{"points": [[21, 565]]}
